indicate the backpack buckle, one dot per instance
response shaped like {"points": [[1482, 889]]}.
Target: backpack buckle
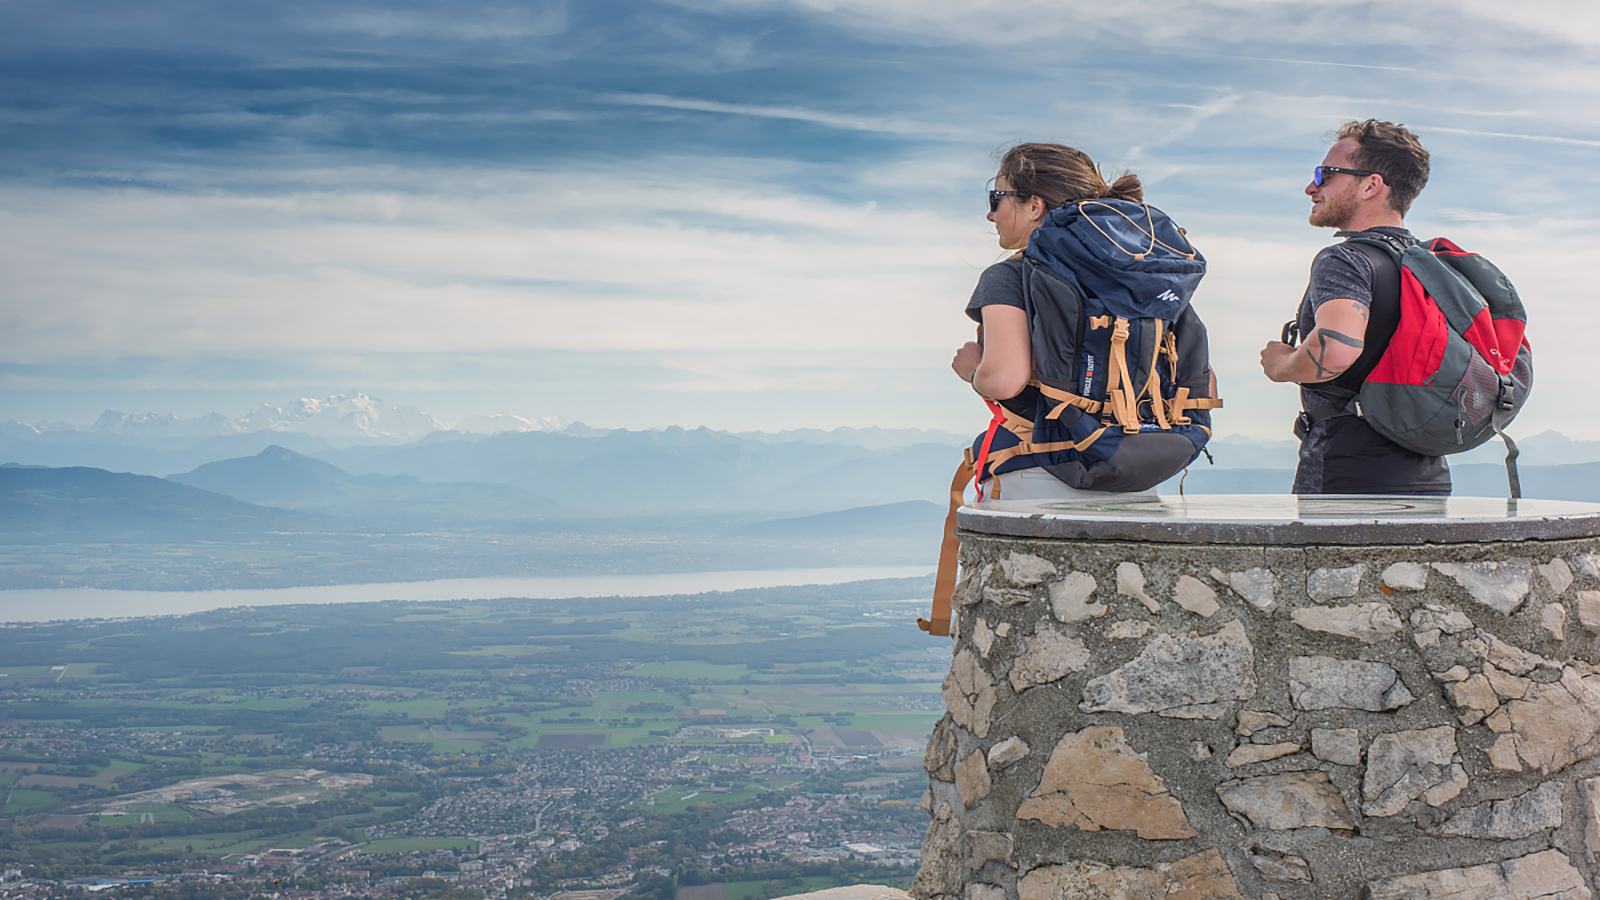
{"points": [[1506, 400]]}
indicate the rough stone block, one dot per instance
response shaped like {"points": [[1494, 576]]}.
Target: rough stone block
{"points": [[1322, 682], [1172, 671], [1095, 781], [1553, 619], [1503, 655], [1475, 698], [1069, 599], [940, 759], [1500, 722], [1130, 583], [1546, 875], [1204, 876], [1407, 765], [1252, 721], [1287, 801], [940, 868], [1341, 746], [1008, 751], [1555, 725], [1128, 628], [1046, 656], [970, 590], [1588, 563], [1245, 754], [1257, 586], [1406, 576], [1500, 584], [1366, 622], [1323, 585], [979, 891], [1196, 596], [983, 637], [1281, 867], [1558, 574], [1503, 755], [983, 847], [1589, 610], [1025, 569], [969, 693], [1589, 791], [1506, 685], [1504, 820], [1439, 618], [1000, 596], [972, 779]]}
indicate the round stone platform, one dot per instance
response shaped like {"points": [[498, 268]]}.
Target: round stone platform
{"points": [[1270, 697], [1286, 519]]}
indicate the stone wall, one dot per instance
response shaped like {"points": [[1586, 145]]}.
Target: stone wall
{"points": [[1198, 722]]}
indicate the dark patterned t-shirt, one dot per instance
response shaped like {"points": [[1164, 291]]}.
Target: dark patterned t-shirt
{"points": [[1344, 455]]}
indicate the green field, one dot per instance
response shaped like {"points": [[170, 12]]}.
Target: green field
{"points": [[26, 800], [756, 890]]}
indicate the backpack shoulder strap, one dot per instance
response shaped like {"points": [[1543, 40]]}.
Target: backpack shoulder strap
{"points": [[1384, 314]]}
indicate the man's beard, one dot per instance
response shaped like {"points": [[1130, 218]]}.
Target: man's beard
{"points": [[1334, 212]]}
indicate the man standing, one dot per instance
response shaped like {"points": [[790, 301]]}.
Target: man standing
{"points": [[1365, 184]]}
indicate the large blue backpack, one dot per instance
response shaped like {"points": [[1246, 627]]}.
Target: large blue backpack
{"points": [[1120, 395], [1119, 399]]}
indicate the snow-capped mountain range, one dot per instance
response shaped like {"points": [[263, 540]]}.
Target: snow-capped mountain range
{"points": [[341, 419]]}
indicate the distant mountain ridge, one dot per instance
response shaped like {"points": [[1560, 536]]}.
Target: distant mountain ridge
{"points": [[43, 501], [283, 478]]}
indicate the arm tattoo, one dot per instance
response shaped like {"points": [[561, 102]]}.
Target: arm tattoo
{"points": [[1320, 352]]}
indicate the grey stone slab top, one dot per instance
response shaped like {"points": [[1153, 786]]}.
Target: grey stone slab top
{"points": [[1286, 519]]}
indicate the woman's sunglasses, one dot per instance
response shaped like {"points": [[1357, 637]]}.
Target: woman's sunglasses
{"points": [[994, 197], [1320, 173]]}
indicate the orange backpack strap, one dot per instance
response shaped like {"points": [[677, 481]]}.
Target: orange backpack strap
{"points": [[944, 583]]}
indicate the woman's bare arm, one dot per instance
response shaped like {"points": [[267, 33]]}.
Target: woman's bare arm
{"points": [[1003, 365]]}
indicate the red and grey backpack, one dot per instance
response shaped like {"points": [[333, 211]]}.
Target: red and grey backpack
{"points": [[1455, 368]]}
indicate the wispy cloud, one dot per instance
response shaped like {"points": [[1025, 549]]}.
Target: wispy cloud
{"points": [[1542, 138], [848, 122]]}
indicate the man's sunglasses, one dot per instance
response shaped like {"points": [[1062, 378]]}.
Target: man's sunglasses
{"points": [[994, 198], [1318, 174]]}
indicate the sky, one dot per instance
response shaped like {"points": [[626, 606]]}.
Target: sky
{"points": [[745, 214]]}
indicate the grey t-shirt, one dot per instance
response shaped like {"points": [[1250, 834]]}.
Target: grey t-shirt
{"points": [[1000, 284]]}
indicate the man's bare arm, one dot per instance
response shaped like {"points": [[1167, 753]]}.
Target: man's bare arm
{"points": [[1332, 346]]}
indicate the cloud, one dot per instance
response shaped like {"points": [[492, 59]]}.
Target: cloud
{"points": [[1543, 138], [463, 23], [481, 259], [886, 125]]}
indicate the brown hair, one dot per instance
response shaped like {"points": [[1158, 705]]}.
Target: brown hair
{"points": [[1393, 152], [1057, 174]]}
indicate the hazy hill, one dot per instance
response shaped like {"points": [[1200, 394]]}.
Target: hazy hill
{"points": [[275, 476], [913, 517], [281, 477], [96, 502], [673, 468]]}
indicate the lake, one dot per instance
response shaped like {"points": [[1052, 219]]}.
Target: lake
{"points": [[88, 603]]}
